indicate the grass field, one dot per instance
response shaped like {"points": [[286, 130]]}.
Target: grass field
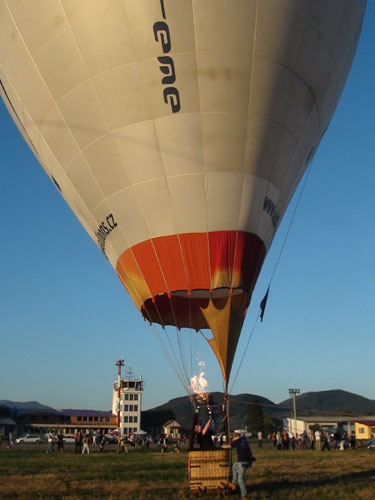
{"points": [[29, 473]]}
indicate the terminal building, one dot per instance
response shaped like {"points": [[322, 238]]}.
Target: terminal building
{"points": [[363, 426], [127, 403], [125, 415]]}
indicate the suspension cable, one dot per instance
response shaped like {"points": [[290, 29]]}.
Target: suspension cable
{"points": [[169, 358]]}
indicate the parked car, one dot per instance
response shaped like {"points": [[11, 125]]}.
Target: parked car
{"points": [[69, 440], [110, 439], [29, 438]]}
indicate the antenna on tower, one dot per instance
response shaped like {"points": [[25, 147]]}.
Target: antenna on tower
{"points": [[119, 364]]}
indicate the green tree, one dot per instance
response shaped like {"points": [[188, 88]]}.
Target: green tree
{"points": [[271, 424], [347, 412], [254, 418]]}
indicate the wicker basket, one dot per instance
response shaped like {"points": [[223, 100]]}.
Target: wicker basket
{"points": [[209, 471]]}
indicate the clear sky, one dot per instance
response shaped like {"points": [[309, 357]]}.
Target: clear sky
{"points": [[66, 319]]}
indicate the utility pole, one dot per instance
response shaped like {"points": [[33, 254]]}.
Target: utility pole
{"points": [[119, 364], [293, 392]]}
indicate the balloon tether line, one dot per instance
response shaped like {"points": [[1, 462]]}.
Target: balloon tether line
{"points": [[308, 170]]}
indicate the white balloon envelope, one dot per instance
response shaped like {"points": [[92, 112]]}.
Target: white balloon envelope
{"points": [[177, 132]]}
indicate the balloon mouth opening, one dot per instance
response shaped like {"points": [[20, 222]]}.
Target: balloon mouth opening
{"points": [[216, 293], [186, 309]]}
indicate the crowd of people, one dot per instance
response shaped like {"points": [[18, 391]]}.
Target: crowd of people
{"points": [[317, 439], [82, 442]]}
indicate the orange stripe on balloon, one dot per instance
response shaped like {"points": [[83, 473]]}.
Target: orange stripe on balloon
{"points": [[222, 248], [171, 262], [195, 251], [185, 262], [132, 278], [147, 260]]}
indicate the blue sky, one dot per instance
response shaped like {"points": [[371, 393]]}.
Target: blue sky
{"points": [[65, 317]]}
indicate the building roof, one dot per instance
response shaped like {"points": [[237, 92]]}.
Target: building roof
{"points": [[331, 419], [366, 422], [86, 413], [172, 423], [7, 421]]}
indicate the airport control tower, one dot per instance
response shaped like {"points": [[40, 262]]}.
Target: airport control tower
{"points": [[127, 400]]}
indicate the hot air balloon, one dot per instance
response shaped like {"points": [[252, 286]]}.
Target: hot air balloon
{"points": [[177, 132]]}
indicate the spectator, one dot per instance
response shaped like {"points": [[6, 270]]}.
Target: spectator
{"points": [[318, 440], [352, 441], [325, 439], [60, 442], [244, 461], [50, 443], [10, 440], [101, 443], [86, 441], [78, 442], [337, 439]]}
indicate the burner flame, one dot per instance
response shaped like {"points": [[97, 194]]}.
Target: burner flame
{"points": [[198, 383]]}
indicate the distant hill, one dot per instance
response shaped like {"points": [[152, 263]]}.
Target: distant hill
{"points": [[310, 403], [335, 401], [183, 409], [26, 405]]}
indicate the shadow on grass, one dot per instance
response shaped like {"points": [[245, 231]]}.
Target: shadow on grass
{"points": [[354, 477]]}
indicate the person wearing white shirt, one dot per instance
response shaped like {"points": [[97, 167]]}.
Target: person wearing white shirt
{"points": [[318, 440]]}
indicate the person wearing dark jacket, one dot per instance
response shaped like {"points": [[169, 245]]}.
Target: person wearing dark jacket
{"points": [[204, 435], [244, 461]]}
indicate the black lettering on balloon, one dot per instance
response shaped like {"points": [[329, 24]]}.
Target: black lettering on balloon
{"points": [[111, 221], [168, 69], [172, 96], [161, 34], [167, 66], [103, 231], [270, 208], [162, 9]]}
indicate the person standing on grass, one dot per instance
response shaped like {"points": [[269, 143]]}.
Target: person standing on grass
{"points": [[312, 438], [260, 439], [352, 441], [10, 440], [285, 440], [101, 443], [279, 440], [337, 439], [86, 445], [78, 442], [325, 439], [293, 441], [317, 440], [50, 443], [60, 442], [244, 462]]}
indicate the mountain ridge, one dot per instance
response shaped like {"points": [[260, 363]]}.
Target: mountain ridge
{"points": [[25, 405], [335, 401]]}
